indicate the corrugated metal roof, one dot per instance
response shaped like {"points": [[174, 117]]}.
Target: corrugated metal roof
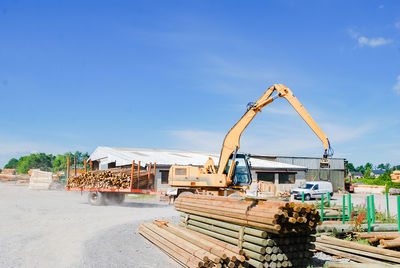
{"points": [[125, 156], [312, 163], [296, 156]]}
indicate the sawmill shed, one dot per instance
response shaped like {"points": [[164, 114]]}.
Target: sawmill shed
{"points": [[284, 175], [335, 174]]}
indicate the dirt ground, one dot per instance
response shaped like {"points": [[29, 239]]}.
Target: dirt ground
{"points": [[60, 229]]}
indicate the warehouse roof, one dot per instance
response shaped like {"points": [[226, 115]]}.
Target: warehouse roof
{"points": [[125, 156]]}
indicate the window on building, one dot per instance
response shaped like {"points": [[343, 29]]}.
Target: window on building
{"points": [[286, 178], [266, 176], [164, 176]]}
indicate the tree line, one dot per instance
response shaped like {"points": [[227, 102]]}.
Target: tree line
{"points": [[46, 162], [369, 166]]}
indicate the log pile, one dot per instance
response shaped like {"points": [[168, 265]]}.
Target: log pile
{"points": [[271, 233], [8, 174], [343, 229], [273, 216], [263, 248], [385, 239], [192, 249], [111, 179], [357, 252]]}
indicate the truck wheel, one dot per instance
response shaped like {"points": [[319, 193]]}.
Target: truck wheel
{"points": [[120, 198], [307, 197], [171, 199], [96, 198], [114, 198]]}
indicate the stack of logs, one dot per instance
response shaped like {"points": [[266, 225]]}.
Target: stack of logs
{"points": [[357, 252], [276, 217], [115, 178], [271, 233], [384, 239], [192, 249]]}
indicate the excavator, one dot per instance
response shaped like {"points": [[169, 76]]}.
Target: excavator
{"points": [[232, 175]]}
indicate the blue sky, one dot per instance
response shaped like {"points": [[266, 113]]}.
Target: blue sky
{"points": [[178, 74]]}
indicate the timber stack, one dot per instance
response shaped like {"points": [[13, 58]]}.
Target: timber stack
{"points": [[192, 249], [110, 179], [271, 233], [275, 217], [358, 252], [384, 239]]}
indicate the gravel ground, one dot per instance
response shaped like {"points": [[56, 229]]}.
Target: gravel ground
{"points": [[59, 229]]}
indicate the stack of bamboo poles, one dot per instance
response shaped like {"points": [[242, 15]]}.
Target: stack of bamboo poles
{"points": [[357, 252], [192, 249], [385, 239], [273, 216], [110, 179]]}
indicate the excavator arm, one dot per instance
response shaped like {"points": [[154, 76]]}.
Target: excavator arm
{"points": [[232, 140]]}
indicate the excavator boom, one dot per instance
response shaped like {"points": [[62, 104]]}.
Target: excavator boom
{"points": [[233, 172], [232, 140]]}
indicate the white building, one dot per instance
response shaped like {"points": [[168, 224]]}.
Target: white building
{"points": [[285, 176]]}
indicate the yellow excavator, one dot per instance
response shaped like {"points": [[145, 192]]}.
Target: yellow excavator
{"points": [[232, 175]]}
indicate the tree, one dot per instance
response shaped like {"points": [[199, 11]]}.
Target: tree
{"points": [[41, 161], [367, 173], [384, 166], [60, 162], [387, 167], [368, 166], [349, 168], [360, 169], [381, 166], [12, 163]]}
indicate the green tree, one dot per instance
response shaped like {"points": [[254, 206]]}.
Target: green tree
{"points": [[387, 166], [12, 163], [360, 169], [60, 162], [350, 168], [41, 161], [368, 166], [367, 173], [381, 166], [384, 166]]}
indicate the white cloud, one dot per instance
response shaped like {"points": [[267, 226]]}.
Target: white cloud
{"points": [[367, 41], [396, 87], [373, 42], [397, 25]]}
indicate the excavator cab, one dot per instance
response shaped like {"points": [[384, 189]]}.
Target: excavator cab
{"points": [[241, 175]]}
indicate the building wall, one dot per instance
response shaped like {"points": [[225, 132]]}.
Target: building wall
{"points": [[299, 178], [159, 185], [335, 174]]}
